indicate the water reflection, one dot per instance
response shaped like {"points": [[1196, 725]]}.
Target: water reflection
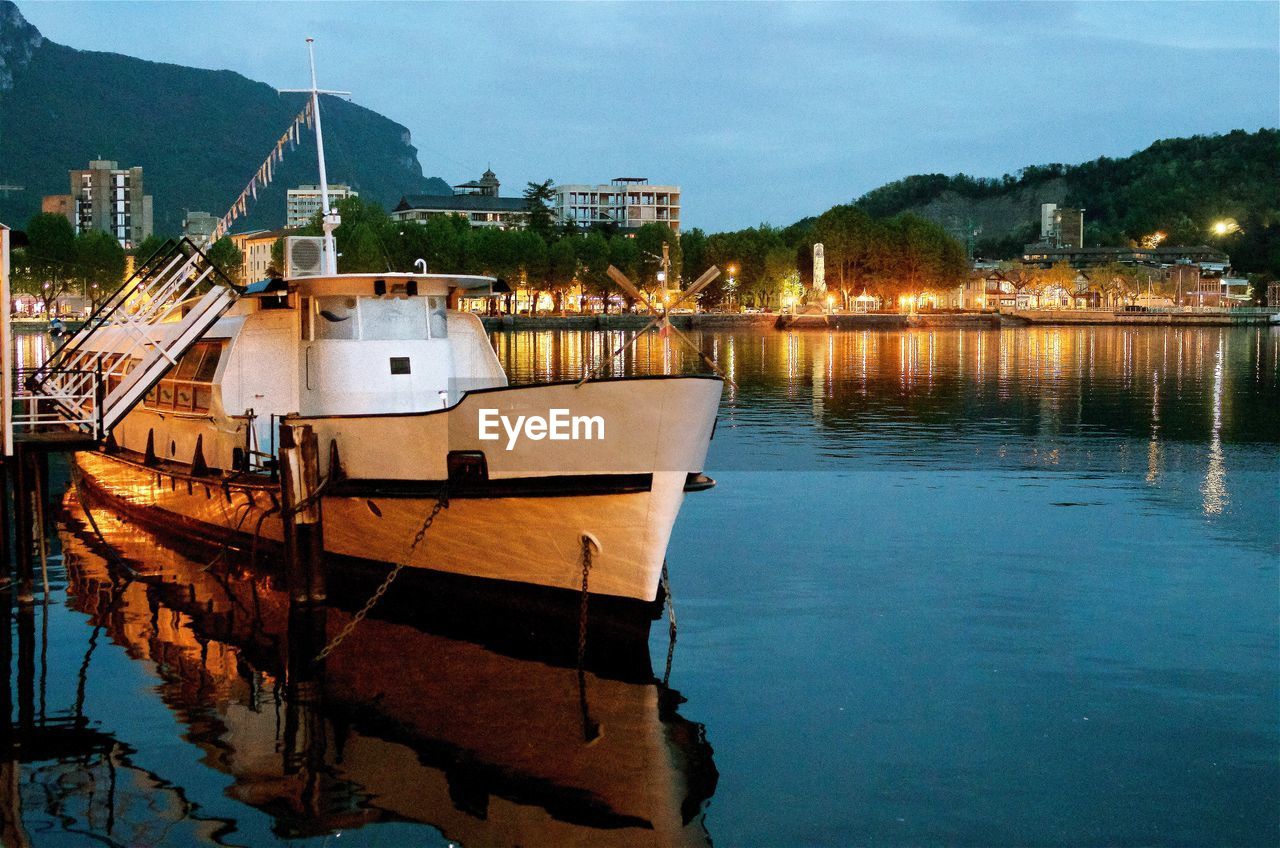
{"points": [[400, 725], [1179, 406]]}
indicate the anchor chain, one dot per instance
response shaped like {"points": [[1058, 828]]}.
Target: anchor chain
{"points": [[442, 503], [587, 545], [670, 604]]}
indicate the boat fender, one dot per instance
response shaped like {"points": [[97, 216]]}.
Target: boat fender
{"points": [[336, 471], [149, 458], [199, 467]]}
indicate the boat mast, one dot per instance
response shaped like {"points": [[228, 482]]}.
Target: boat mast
{"points": [[331, 219]]}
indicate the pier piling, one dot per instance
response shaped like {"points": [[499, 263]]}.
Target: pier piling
{"points": [[303, 517]]}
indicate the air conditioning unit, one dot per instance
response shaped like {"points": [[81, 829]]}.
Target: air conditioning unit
{"points": [[303, 256]]}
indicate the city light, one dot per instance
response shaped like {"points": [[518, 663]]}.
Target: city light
{"points": [[1153, 241], [1225, 227]]}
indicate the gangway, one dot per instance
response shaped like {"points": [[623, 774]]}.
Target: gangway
{"points": [[127, 344]]}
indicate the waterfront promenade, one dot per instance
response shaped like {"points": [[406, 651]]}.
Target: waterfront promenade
{"points": [[887, 320]]}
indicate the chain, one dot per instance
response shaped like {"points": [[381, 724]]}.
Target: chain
{"points": [[442, 503], [671, 616], [582, 610]]}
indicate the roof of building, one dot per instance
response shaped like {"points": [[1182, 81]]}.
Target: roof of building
{"points": [[462, 203], [264, 234]]}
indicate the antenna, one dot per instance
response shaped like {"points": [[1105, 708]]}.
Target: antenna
{"points": [[331, 219]]}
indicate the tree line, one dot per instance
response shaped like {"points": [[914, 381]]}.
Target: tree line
{"points": [[543, 257], [51, 261], [760, 267]]}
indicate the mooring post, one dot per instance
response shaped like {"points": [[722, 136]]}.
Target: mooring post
{"points": [[6, 563], [304, 735], [299, 458], [24, 524]]}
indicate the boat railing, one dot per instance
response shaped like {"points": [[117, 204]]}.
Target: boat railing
{"points": [[75, 404]]}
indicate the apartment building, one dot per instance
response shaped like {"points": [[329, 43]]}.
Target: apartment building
{"points": [[626, 202], [112, 199], [303, 203]]}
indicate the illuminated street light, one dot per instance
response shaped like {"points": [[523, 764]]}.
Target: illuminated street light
{"points": [[1225, 227]]}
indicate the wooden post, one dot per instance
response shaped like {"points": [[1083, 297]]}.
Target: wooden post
{"points": [[6, 563], [299, 457], [24, 524]]}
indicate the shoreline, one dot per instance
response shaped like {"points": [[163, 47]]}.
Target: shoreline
{"points": [[878, 320]]}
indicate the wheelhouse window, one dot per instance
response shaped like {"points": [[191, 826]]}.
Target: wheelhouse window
{"points": [[405, 318], [188, 387], [335, 318], [393, 318]]}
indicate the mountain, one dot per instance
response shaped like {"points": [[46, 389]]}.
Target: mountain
{"points": [[199, 135], [1179, 186]]}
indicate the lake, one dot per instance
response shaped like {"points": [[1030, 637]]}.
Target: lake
{"points": [[954, 587]]}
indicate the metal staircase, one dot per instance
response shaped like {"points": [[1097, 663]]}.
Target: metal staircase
{"points": [[128, 344]]}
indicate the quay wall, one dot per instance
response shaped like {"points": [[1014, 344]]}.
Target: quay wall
{"points": [[682, 321], [1102, 316], [739, 321]]}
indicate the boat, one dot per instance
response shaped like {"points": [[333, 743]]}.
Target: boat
{"points": [[531, 497]]}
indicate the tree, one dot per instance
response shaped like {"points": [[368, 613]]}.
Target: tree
{"points": [[227, 258], [532, 262], [625, 256], [562, 268], [1058, 280], [649, 240], [693, 255], [539, 197], [100, 263], [50, 257], [147, 247], [593, 260]]}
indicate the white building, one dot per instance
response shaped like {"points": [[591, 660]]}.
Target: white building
{"points": [[303, 202], [627, 202]]}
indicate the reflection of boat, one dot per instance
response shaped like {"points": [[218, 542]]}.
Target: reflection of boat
{"points": [[488, 748]]}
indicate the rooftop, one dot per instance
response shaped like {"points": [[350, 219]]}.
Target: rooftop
{"points": [[462, 203]]}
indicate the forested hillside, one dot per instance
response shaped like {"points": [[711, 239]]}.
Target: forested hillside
{"points": [[1179, 186]]}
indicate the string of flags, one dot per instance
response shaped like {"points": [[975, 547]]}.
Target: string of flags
{"points": [[265, 173]]}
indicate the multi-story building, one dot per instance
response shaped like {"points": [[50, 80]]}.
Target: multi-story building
{"points": [[303, 202], [59, 204], [1061, 227], [255, 248], [626, 202], [1207, 258], [199, 226], [477, 201], [110, 198]]}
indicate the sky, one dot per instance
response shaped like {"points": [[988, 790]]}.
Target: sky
{"points": [[762, 112]]}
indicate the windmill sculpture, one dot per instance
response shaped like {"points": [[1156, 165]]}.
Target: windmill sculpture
{"points": [[662, 318]]}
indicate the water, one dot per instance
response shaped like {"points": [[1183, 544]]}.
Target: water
{"points": [[954, 587]]}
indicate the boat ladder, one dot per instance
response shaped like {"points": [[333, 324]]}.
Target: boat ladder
{"points": [[127, 345]]}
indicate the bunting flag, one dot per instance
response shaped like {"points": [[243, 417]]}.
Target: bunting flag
{"points": [[266, 172]]}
